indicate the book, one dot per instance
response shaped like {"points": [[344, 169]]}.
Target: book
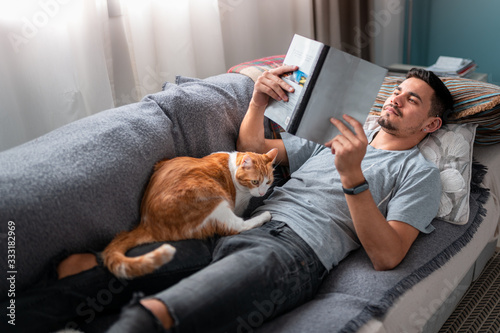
{"points": [[328, 83], [452, 66]]}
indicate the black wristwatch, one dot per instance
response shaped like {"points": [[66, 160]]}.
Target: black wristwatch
{"points": [[356, 190]]}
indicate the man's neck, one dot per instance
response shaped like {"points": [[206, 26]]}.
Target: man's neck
{"points": [[387, 141]]}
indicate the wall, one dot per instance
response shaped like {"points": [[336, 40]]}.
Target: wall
{"points": [[459, 28]]}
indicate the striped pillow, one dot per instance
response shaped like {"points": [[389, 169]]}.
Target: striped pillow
{"points": [[474, 102]]}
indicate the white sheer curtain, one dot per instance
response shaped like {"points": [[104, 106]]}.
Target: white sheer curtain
{"points": [[162, 39], [53, 66], [61, 60]]}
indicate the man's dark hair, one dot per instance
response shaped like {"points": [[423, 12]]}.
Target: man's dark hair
{"points": [[442, 101]]}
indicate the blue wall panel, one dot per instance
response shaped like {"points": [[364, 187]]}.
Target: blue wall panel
{"points": [[459, 28]]}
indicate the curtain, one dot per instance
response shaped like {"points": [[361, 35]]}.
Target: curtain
{"points": [[345, 24], [197, 38], [61, 60], [371, 30], [53, 66]]}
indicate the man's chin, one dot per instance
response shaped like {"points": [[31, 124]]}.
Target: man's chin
{"points": [[385, 124]]}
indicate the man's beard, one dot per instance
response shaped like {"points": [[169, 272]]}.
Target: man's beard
{"points": [[386, 124], [384, 121]]}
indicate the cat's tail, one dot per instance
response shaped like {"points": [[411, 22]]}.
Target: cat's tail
{"points": [[130, 267]]}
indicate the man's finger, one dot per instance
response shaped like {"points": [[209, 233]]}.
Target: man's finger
{"points": [[270, 85], [358, 128], [271, 93], [277, 72], [283, 69], [342, 128], [346, 131]]}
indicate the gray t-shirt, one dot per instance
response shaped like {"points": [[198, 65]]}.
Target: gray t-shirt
{"points": [[405, 186]]}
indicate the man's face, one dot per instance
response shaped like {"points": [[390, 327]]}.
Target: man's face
{"points": [[406, 111]]}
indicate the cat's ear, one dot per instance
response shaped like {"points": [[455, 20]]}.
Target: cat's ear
{"points": [[272, 154], [246, 162]]}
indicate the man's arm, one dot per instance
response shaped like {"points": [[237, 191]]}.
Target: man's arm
{"points": [[251, 136], [385, 242]]}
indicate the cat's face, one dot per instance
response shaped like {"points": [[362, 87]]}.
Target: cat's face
{"points": [[255, 172]]}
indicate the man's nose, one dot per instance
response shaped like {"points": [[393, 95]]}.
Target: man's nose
{"points": [[397, 100]]}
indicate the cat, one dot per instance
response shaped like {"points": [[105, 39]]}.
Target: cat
{"points": [[190, 198]]}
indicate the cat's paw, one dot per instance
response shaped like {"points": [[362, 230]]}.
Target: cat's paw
{"points": [[257, 221], [266, 216]]}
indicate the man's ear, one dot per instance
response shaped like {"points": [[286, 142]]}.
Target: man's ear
{"points": [[433, 125]]}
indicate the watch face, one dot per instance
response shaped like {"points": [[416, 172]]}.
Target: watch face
{"points": [[358, 189]]}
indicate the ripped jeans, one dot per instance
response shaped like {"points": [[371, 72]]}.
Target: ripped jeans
{"points": [[222, 284]]}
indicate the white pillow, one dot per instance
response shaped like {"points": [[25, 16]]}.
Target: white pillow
{"points": [[450, 148]]}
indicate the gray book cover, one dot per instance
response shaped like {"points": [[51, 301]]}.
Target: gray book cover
{"points": [[330, 83]]}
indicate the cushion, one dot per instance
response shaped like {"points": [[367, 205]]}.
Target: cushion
{"points": [[254, 68], [450, 148], [474, 102]]}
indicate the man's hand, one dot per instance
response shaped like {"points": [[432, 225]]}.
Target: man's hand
{"points": [[349, 149], [269, 84], [252, 134]]}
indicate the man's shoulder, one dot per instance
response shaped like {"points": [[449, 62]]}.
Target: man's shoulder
{"points": [[422, 160], [408, 162], [417, 160], [420, 167]]}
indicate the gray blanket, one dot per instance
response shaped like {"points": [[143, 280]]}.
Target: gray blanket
{"points": [[73, 189]]}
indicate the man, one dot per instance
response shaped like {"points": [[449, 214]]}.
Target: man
{"points": [[413, 111], [369, 189], [386, 222]]}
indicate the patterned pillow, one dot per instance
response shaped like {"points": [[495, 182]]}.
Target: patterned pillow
{"points": [[255, 67], [450, 148], [474, 102]]}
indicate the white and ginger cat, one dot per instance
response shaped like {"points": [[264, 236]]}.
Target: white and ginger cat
{"points": [[190, 198]]}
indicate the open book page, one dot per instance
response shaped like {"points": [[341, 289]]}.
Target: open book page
{"points": [[303, 52], [345, 85]]}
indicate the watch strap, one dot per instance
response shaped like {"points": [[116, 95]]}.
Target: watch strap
{"points": [[357, 189]]}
